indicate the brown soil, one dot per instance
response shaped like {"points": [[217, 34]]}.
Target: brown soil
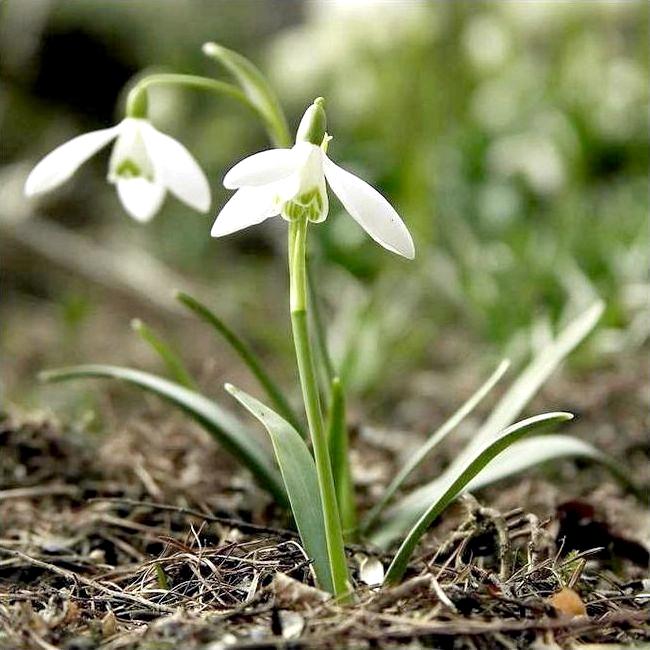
{"points": [[151, 539]]}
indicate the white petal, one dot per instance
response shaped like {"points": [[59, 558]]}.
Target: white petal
{"points": [[176, 168], [141, 198], [247, 207], [130, 147], [370, 209], [262, 168], [310, 167], [59, 165]]}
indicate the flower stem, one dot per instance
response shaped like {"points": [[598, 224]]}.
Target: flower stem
{"points": [[136, 104], [299, 323]]}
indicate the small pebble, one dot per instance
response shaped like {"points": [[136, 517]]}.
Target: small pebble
{"points": [[568, 602]]}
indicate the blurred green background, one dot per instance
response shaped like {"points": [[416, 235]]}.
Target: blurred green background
{"points": [[512, 137]]}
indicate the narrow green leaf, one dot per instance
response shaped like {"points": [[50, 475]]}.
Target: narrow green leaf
{"points": [[224, 427], [161, 577], [540, 449], [338, 443], [452, 483], [325, 361], [257, 89], [433, 441], [299, 473], [172, 361], [246, 354], [545, 362], [533, 377]]}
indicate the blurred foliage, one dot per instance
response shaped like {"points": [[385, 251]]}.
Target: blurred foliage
{"points": [[511, 136]]}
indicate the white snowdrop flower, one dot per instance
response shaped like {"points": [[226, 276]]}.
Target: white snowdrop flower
{"points": [[144, 165], [292, 182]]}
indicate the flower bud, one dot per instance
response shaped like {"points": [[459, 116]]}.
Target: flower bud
{"points": [[313, 124]]}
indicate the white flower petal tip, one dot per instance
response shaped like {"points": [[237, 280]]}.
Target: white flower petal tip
{"points": [[176, 169], [59, 165], [247, 207], [262, 168], [370, 210], [141, 198]]}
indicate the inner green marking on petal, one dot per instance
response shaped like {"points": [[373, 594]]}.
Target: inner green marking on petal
{"points": [[128, 169], [309, 204]]}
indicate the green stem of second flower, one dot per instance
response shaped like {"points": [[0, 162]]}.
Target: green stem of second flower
{"points": [[306, 370], [136, 101]]}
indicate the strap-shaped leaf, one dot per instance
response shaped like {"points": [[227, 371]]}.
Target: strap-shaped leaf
{"points": [[400, 517], [540, 449], [257, 89], [533, 377], [167, 354], [325, 360], [246, 354], [227, 430], [299, 473], [337, 432], [433, 441], [452, 483]]}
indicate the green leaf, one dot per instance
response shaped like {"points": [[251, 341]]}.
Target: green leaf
{"points": [[172, 361], [540, 449], [533, 377], [339, 456], [545, 362], [256, 88], [299, 473], [452, 483], [225, 428], [246, 354], [432, 442], [324, 358]]}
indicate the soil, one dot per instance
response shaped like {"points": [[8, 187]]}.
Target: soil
{"points": [[152, 539]]}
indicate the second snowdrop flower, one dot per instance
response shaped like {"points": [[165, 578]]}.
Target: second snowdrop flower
{"points": [[144, 165], [292, 182]]}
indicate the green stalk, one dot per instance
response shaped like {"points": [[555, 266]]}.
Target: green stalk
{"points": [[309, 385], [136, 101]]}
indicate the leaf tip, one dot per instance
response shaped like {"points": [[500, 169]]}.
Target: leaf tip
{"points": [[180, 295], [136, 324], [210, 49], [598, 307]]}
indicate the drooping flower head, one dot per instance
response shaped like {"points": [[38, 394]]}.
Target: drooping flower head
{"points": [[292, 183], [144, 165]]}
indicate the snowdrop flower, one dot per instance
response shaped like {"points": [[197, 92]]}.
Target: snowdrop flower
{"points": [[144, 165], [292, 182]]}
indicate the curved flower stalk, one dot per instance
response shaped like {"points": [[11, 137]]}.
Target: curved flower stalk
{"points": [[144, 166], [293, 181]]}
